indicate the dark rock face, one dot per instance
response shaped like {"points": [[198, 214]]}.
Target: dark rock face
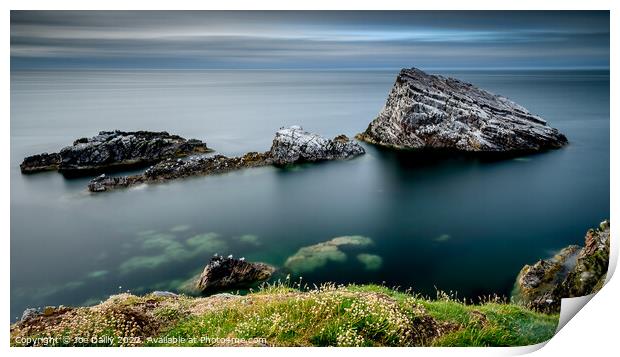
{"points": [[573, 272], [174, 169], [112, 149], [290, 145], [40, 162], [229, 273], [433, 112]]}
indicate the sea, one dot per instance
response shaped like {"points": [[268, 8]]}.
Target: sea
{"points": [[460, 225]]}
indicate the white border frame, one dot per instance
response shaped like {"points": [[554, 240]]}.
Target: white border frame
{"points": [[590, 332]]}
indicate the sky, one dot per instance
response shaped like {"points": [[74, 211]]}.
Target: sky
{"points": [[309, 39]]}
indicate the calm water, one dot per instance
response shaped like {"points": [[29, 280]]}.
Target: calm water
{"points": [[457, 224]]}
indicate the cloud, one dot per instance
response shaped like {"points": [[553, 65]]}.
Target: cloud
{"points": [[242, 39]]}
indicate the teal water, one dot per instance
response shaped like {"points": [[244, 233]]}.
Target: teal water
{"points": [[453, 223]]}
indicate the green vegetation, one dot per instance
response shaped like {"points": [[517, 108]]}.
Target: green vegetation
{"points": [[283, 315]]}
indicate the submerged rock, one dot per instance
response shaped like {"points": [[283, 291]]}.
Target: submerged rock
{"points": [[228, 273], [112, 149], [290, 145], [370, 261], [573, 272], [312, 257], [433, 112]]}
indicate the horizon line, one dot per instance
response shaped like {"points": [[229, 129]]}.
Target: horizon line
{"points": [[80, 68]]}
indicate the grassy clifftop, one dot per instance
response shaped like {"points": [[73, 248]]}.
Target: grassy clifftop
{"points": [[354, 315]]}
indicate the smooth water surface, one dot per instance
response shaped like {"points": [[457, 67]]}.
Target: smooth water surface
{"points": [[456, 224]]}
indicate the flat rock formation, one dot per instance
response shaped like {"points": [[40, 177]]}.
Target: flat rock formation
{"points": [[573, 272], [433, 112], [112, 149], [290, 145], [223, 274]]}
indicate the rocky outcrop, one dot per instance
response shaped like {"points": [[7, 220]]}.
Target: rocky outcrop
{"points": [[433, 112], [228, 273], [40, 162], [173, 169], [290, 145], [111, 149], [574, 271]]}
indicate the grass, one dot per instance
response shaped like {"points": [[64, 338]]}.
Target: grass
{"points": [[284, 315]]}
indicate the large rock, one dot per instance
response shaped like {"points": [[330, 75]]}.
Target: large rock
{"points": [[112, 149], [433, 112], [573, 272], [292, 145], [223, 274]]}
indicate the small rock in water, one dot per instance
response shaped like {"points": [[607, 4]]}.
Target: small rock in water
{"points": [[227, 273], [293, 145]]}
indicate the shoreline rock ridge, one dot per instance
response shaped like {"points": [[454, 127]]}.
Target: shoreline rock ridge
{"points": [[572, 272], [291, 145]]}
